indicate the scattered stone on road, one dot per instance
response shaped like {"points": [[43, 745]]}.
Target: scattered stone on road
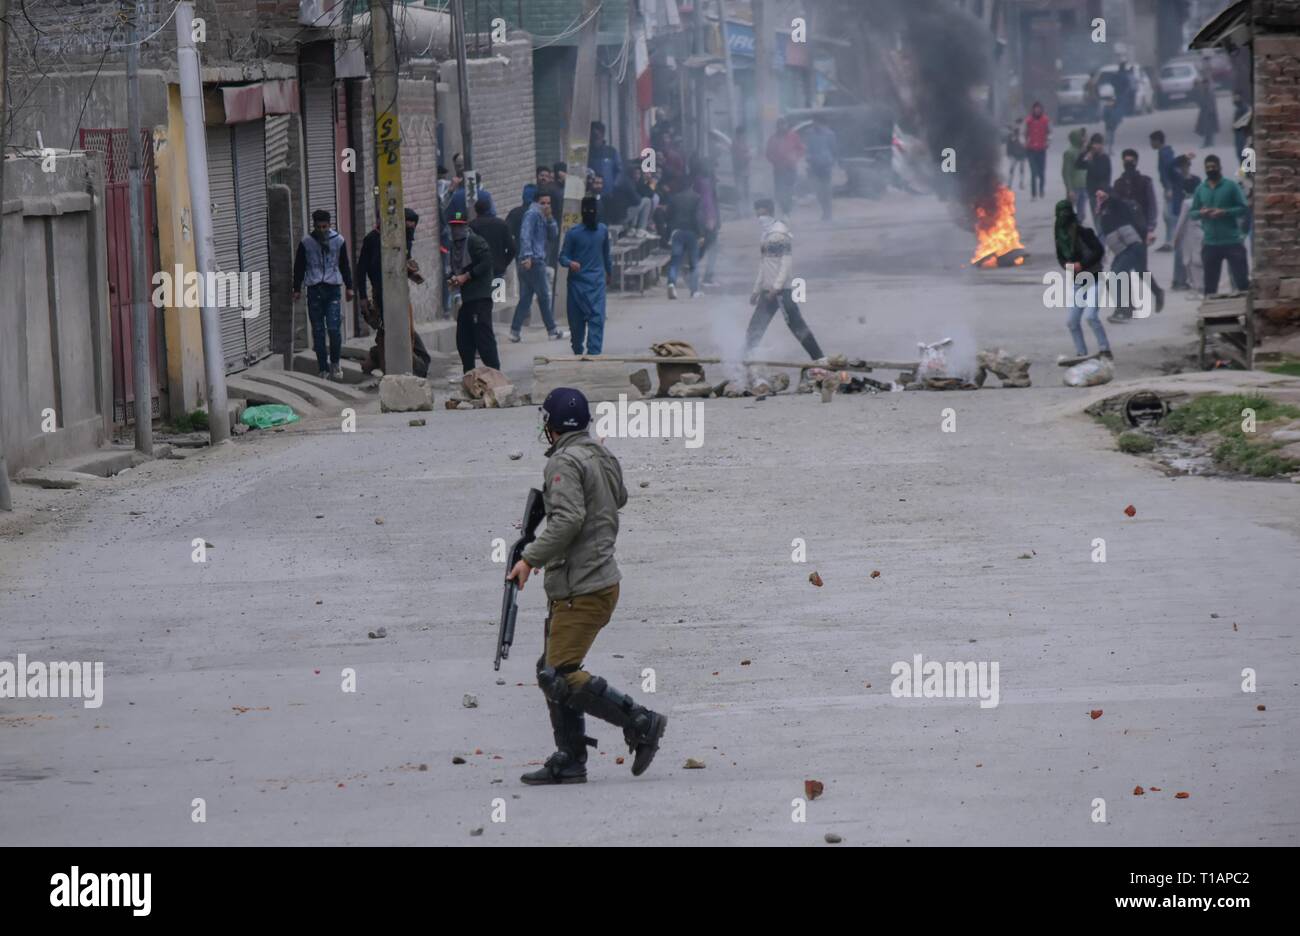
{"points": [[417, 422], [815, 579], [401, 393], [693, 764], [516, 455], [469, 701], [378, 633], [833, 839]]}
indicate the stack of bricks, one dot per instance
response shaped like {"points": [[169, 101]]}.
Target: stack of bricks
{"points": [[1277, 145]]}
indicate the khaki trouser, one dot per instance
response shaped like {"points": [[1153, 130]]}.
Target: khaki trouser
{"points": [[573, 624]]}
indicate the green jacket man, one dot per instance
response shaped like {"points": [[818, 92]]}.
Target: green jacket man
{"points": [[583, 493]]}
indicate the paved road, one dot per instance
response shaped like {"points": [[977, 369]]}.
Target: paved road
{"points": [[224, 678]]}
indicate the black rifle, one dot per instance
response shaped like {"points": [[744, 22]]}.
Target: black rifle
{"points": [[534, 511]]}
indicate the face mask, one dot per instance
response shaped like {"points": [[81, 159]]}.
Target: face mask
{"points": [[1130, 167], [1213, 174], [765, 222]]}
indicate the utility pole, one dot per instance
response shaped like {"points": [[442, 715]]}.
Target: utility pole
{"points": [[5, 502], [698, 78], [732, 119], [196, 149], [575, 185], [768, 109], [388, 179], [470, 181], [139, 282]]}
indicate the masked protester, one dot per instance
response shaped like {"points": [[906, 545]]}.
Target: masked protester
{"points": [[1220, 205], [1081, 253], [1138, 191], [583, 493], [471, 273], [370, 272], [772, 285], [322, 263], [586, 254]]}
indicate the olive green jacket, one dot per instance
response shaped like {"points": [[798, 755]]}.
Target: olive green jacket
{"points": [[583, 493]]}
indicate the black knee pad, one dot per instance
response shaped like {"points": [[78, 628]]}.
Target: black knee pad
{"points": [[554, 686]]}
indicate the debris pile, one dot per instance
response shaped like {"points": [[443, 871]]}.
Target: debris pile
{"points": [[487, 388]]}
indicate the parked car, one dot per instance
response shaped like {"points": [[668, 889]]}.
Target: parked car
{"points": [[1177, 82], [1144, 100], [1074, 100]]}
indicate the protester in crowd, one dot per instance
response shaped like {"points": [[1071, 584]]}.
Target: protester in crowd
{"points": [[586, 254], [322, 264], [1038, 131], [784, 151], [1081, 254], [1220, 206]]}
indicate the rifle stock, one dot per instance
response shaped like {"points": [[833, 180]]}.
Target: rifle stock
{"points": [[534, 511]]}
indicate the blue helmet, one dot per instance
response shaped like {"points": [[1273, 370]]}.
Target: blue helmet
{"points": [[566, 410]]}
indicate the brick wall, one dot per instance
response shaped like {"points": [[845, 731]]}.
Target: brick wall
{"points": [[501, 108], [73, 33], [1276, 15], [1277, 180], [416, 108]]}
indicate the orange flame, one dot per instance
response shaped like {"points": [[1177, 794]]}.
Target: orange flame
{"points": [[995, 229]]}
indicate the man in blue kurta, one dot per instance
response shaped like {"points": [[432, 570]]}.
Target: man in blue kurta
{"points": [[586, 254]]}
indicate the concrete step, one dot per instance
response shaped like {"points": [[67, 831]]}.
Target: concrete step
{"points": [[107, 462], [259, 394], [321, 393], [304, 362]]}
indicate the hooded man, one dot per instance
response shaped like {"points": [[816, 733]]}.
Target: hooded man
{"points": [[370, 271], [583, 493], [772, 285], [1075, 178], [322, 263], [1082, 254], [471, 272], [586, 254]]}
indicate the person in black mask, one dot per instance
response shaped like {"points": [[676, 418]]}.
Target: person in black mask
{"points": [[471, 273], [1138, 190], [586, 254], [370, 272]]}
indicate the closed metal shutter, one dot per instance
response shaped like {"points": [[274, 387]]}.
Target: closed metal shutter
{"points": [[277, 143], [225, 237], [254, 257], [318, 125]]}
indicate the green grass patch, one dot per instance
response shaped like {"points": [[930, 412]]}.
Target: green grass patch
{"points": [[1223, 413], [1260, 460], [1290, 369], [1112, 421], [1136, 443]]}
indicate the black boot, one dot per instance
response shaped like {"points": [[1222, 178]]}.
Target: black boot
{"points": [[569, 762], [642, 728]]}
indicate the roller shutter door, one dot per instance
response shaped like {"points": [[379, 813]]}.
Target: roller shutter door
{"points": [[225, 237], [318, 125], [250, 188]]}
